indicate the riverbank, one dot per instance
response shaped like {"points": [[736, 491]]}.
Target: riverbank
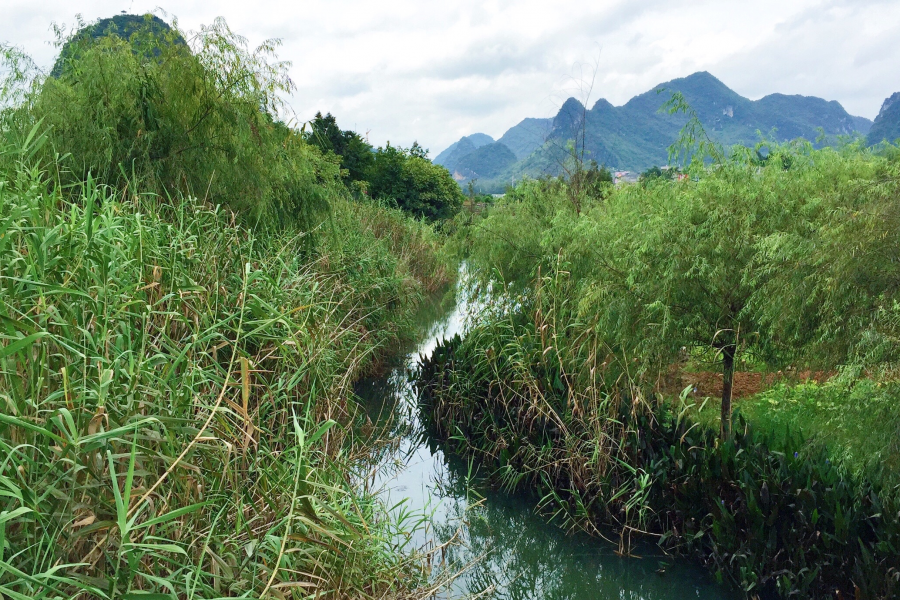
{"points": [[487, 543], [175, 389], [770, 522]]}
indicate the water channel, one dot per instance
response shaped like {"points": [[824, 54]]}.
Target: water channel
{"points": [[509, 551]]}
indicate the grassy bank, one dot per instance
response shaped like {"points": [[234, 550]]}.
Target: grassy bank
{"points": [[187, 293], [175, 389]]}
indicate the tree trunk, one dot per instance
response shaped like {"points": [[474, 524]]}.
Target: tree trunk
{"points": [[727, 381]]}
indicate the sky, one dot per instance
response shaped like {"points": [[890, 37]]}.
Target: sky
{"points": [[432, 72]]}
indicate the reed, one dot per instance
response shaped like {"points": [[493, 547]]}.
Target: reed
{"points": [[175, 393]]}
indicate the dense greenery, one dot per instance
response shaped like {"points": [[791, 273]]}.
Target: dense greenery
{"points": [[197, 119], [401, 177], [537, 413], [176, 357], [778, 258], [887, 124], [408, 179], [656, 172], [354, 152], [144, 33], [723, 262]]}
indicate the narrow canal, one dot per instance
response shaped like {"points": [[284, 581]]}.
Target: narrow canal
{"points": [[507, 551]]}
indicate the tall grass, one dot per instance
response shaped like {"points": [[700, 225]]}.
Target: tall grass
{"points": [[175, 394]]}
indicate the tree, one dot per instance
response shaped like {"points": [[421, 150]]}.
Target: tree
{"points": [[414, 183], [684, 267], [355, 153], [655, 172], [832, 282], [593, 181]]}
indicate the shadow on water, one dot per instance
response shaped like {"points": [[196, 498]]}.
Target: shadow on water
{"points": [[509, 552]]}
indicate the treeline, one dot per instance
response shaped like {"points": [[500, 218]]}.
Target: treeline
{"points": [[187, 292], [778, 258], [402, 177]]}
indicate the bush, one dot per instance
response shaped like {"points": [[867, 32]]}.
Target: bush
{"points": [[530, 400], [412, 182], [175, 394]]}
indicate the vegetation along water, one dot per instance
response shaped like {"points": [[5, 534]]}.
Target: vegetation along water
{"points": [[222, 374]]}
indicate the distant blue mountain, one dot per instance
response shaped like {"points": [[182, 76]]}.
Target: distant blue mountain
{"points": [[464, 146], [636, 136], [887, 123]]}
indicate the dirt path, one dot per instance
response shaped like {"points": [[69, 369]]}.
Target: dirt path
{"points": [[708, 383]]}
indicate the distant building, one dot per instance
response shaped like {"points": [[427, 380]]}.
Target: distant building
{"points": [[620, 177]]}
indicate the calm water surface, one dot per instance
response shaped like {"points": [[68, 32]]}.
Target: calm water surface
{"points": [[511, 552]]}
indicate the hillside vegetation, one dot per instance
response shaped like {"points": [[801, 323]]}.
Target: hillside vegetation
{"points": [[887, 124], [403, 178], [187, 293]]}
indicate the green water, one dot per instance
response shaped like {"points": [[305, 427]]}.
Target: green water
{"points": [[504, 549]]}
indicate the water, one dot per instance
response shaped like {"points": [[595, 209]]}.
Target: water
{"points": [[508, 552]]}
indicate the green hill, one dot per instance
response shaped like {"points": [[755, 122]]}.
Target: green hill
{"points": [[636, 136], [527, 136], [887, 123], [145, 32], [486, 162], [466, 145]]}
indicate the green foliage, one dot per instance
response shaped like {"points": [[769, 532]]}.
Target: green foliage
{"points": [[830, 292], [174, 389], [655, 172], [174, 378], [780, 255], [410, 181], [166, 117], [355, 153], [887, 124], [144, 33], [857, 424], [786, 257]]}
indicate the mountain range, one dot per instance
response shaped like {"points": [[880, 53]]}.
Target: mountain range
{"points": [[887, 123], [636, 135]]}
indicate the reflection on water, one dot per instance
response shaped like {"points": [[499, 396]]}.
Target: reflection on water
{"points": [[510, 552]]}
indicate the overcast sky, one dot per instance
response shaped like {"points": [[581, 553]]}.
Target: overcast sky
{"points": [[435, 71]]}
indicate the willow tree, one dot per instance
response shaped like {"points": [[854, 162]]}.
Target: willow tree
{"points": [[682, 266], [832, 285], [195, 113]]}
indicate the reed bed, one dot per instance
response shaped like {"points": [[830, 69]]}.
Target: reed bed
{"points": [[174, 392]]}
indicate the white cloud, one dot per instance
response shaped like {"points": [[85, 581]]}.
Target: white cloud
{"points": [[434, 71]]}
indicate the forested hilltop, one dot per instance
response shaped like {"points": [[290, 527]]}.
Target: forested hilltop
{"points": [[188, 289], [636, 136]]}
